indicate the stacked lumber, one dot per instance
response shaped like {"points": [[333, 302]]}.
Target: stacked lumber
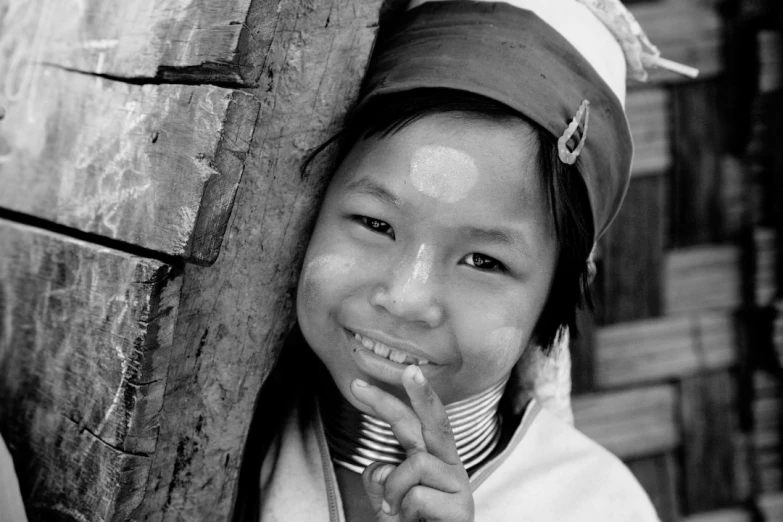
{"points": [[667, 348], [630, 423], [702, 278]]}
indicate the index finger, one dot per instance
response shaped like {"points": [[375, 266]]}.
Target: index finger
{"points": [[435, 425], [403, 421]]}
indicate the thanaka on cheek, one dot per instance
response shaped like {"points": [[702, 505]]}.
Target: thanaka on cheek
{"points": [[323, 269], [443, 173]]}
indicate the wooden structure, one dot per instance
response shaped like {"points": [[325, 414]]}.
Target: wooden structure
{"points": [[153, 220], [128, 370], [678, 374]]}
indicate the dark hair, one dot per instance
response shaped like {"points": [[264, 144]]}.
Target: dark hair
{"points": [[566, 191]]}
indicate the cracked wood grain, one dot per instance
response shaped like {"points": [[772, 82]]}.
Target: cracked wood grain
{"points": [[151, 165], [154, 40], [235, 314], [85, 338]]}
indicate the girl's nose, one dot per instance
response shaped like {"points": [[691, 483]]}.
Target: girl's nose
{"points": [[409, 292]]}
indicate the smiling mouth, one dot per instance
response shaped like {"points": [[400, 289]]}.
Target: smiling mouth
{"points": [[380, 349]]}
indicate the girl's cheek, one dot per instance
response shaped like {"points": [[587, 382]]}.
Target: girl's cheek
{"points": [[502, 349], [321, 275]]}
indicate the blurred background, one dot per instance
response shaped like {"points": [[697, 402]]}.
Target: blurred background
{"points": [[680, 372], [153, 222]]}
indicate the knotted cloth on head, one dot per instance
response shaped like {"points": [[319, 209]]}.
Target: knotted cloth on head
{"points": [[512, 56]]}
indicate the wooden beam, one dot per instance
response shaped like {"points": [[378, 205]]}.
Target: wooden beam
{"points": [[698, 139], [652, 350], [630, 423], [235, 314], [164, 40], [701, 278], [154, 165], [628, 285], [708, 406], [722, 515], [648, 116], [85, 338], [771, 506]]}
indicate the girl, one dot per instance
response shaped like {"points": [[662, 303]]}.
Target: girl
{"points": [[488, 152]]}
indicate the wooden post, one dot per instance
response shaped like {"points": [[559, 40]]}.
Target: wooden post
{"points": [[130, 373]]}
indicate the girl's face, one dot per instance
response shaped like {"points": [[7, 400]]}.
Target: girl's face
{"points": [[434, 246]]}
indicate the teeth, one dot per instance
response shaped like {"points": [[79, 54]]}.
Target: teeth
{"points": [[381, 349], [389, 353], [397, 357]]}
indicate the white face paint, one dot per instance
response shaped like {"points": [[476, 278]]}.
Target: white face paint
{"points": [[322, 270], [422, 266], [443, 173]]}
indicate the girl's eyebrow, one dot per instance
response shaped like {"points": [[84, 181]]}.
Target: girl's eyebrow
{"points": [[372, 189], [516, 240]]}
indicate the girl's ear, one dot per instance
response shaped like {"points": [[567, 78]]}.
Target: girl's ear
{"points": [[546, 378]]}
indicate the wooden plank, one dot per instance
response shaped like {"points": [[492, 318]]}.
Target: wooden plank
{"points": [[766, 258], [708, 405], [770, 63], [639, 351], [235, 314], [154, 165], [771, 506], [170, 40], [648, 117], [658, 476], [701, 278], [85, 338], [628, 286], [686, 32], [659, 349], [722, 515], [696, 183], [630, 423]]}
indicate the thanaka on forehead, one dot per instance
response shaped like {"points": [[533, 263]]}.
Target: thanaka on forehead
{"points": [[508, 236], [443, 173]]}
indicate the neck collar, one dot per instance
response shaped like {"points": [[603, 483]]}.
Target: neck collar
{"points": [[356, 439]]}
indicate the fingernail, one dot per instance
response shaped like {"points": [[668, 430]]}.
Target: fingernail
{"points": [[386, 507], [360, 383], [380, 474], [418, 377]]}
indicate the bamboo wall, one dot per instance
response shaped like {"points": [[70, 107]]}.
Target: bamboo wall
{"points": [[679, 372]]}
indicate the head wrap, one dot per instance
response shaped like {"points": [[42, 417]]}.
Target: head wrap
{"points": [[512, 56]]}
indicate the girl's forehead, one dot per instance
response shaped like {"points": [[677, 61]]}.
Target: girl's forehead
{"points": [[452, 163]]}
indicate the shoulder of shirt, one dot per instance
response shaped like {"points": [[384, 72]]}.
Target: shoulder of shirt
{"points": [[570, 476]]}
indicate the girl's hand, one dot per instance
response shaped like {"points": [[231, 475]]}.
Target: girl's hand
{"points": [[431, 484]]}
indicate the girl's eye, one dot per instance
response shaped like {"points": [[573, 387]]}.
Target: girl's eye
{"points": [[482, 262], [376, 225]]}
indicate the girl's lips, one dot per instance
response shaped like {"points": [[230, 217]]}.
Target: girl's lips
{"points": [[382, 350], [374, 365], [371, 338]]}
